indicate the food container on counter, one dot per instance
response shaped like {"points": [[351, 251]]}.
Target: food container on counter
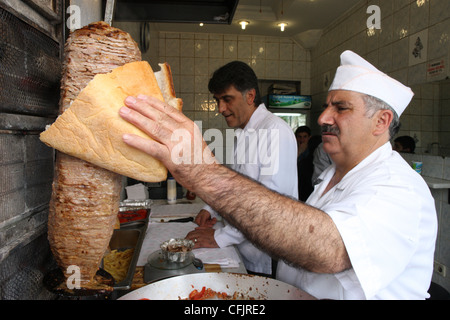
{"points": [[171, 191], [130, 236], [176, 250], [417, 166], [131, 211]]}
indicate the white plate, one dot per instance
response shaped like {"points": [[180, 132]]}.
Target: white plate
{"points": [[255, 287]]}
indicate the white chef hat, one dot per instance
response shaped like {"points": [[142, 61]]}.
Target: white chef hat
{"points": [[356, 74]]}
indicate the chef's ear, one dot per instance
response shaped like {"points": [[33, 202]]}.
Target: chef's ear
{"points": [[384, 118], [250, 96]]}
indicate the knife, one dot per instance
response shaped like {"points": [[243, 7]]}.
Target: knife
{"points": [[109, 11], [182, 220]]}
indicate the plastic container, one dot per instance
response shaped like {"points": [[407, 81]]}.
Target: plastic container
{"points": [[171, 191], [417, 166]]}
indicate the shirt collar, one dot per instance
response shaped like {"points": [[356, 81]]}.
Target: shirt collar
{"points": [[378, 155], [257, 116]]}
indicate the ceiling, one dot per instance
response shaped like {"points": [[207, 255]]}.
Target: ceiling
{"points": [[305, 19]]}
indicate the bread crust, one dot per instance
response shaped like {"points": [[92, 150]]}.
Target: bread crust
{"points": [[91, 128], [165, 82]]}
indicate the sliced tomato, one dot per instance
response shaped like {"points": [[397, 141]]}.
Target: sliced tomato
{"points": [[195, 295]]}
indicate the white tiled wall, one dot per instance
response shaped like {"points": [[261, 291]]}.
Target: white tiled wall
{"points": [[389, 49], [438, 167], [194, 57], [444, 100], [422, 118]]}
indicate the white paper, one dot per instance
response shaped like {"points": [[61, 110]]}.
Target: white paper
{"points": [[137, 192], [157, 233], [176, 210]]}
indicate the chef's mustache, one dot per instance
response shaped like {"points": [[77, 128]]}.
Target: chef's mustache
{"points": [[330, 129]]}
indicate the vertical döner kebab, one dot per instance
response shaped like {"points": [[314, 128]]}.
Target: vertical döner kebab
{"points": [[85, 198]]}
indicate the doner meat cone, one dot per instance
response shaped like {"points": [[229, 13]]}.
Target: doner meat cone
{"points": [[85, 198]]}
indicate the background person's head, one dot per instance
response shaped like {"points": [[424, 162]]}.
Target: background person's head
{"points": [[237, 74], [404, 144], [235, 89]]}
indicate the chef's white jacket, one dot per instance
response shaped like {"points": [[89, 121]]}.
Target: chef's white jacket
{"points": [[266, 151], [387, 219]]}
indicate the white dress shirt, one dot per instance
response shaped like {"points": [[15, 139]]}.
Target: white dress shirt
{"points": [[386, 216], [266, 151], [321, 161]]}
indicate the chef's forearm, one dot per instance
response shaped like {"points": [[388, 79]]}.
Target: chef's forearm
{"points": [[285, 228]]}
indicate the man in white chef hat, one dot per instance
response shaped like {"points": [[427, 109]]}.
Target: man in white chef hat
{"points": [[368, 230]]}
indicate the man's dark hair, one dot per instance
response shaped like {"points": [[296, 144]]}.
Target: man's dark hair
{"points": [[407, 142], [303, 129], [238, 74]]}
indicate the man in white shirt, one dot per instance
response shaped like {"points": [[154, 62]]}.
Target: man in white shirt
{"points": [[321, 161], [273, 164], [369, 228]]}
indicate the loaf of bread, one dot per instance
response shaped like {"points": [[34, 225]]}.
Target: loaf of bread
{"points": [[91, 128]]}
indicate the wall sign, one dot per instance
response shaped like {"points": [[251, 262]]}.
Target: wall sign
{"points": [[436, 69]]}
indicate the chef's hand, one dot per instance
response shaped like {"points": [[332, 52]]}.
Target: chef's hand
{"points": [[203, 238], [203, 219], [177, 143]]}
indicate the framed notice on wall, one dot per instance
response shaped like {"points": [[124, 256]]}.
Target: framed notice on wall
{"points": [[418, 47], [436, 69]]}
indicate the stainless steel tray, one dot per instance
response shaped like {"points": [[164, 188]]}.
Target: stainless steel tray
{"points": [[129, 236]]}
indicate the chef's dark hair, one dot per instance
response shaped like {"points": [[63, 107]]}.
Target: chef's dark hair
{"points": [[238, 74]]}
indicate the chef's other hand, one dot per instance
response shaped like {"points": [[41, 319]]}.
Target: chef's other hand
{"points": [[177, 143], [203, 238], [203, 219]]}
